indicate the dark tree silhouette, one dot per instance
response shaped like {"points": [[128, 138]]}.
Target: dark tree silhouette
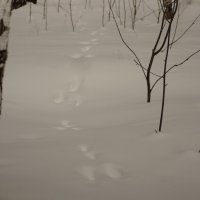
{"points": [[6, 8]]}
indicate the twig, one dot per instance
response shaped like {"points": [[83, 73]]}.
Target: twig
{"points": [[185, 30], [175, 31], [176, 65], [125, 43]]}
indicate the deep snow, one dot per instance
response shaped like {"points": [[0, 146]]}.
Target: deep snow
{"points": [[75, 124]]}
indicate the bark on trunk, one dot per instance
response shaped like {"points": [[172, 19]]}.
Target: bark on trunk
{"points": [[6, 7]]}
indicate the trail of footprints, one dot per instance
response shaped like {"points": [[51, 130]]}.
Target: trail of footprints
{"points": [[87, 46], [73, 96], [93, 172], [90, 172], [95, 169], [64, 125]]}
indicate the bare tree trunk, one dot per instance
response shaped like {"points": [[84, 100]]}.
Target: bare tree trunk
{"points": [[30, 12], [133, 12], [164, 79], [103, 14], [119, 12], [169, 16], [124, 3], [109, 11], [58, 8], [155, 51], [6, 7], [46, 19], [159, 11], [44, 9], [5, 15], [86, 2], [45, 14], [111, 5], [71, 15]]}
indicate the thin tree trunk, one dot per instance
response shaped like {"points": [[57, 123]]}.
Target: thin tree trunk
{"points": [[71, 15], [148, 89], [164, 79], [30, 12], [86, 2], [124, 3], [58, 8], [103, 14], [46, 20], [154, 53], [44, 9]]}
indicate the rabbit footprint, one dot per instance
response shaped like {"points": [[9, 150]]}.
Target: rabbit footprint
{"points": [[88, 172]]}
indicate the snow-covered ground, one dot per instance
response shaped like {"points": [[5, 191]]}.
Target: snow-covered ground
{"points": [[75, 124]]}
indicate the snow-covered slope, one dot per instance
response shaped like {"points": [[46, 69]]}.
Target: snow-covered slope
{"points": [[75, 123]]}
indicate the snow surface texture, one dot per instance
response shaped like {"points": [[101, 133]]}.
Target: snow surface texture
{"points": [[75, 125]]}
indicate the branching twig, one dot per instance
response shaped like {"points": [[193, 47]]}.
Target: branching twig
{"points": [[176, 27], [125, 43], [151, 9], [189, 27], [147, 15], [176, 65]]}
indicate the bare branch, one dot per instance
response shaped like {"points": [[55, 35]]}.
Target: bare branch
{"points": [[146, 69], [189, 27], [181, 63], [125, 43], [151, 9], [176, 27], [176, 65], [147, 15]]}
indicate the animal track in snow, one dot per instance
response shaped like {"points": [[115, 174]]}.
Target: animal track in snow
{"points": [[59, 98], [111, 170], [86, 48], [74, 84], [88, 172], [108, 170], [75, 99], [85, 149], [90, 155], [92, 41], [64, 124], [70, 94], [105, 170]]}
